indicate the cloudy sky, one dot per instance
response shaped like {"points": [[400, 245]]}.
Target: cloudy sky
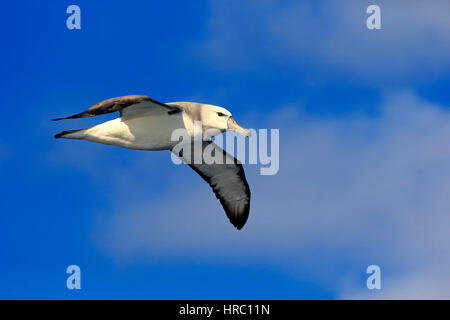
{"points": [[364, 120]]}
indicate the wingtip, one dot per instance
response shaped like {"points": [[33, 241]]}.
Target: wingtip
{"points": [[240, 222], [84, 114], [239, 225]]}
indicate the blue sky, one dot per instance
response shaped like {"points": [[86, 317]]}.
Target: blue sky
{"points": [[364, 163]]}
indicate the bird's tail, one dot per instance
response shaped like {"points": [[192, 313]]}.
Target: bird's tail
{"points": [[71, 134]]}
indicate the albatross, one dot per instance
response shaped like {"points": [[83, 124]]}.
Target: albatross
{"points": [[147, 124]]}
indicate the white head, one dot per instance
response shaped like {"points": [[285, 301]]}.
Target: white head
{"points": [[211, 117], [215, 117]]}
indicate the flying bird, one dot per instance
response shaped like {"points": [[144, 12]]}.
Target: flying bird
{"points": [[147, 124]]}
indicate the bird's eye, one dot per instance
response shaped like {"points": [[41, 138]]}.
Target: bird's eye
{"points": [[220, 114]]}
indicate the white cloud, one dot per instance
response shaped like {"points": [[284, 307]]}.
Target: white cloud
{"points": [[413, 44], [352, 191]]}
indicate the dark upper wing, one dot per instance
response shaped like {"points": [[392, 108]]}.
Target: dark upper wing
{"points": [[120, 103], [227, 179]]}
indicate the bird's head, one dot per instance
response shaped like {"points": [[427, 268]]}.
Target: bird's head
{"points": [[215, 117]]}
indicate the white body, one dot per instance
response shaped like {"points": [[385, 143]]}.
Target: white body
{"points": [[142, 133]]}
